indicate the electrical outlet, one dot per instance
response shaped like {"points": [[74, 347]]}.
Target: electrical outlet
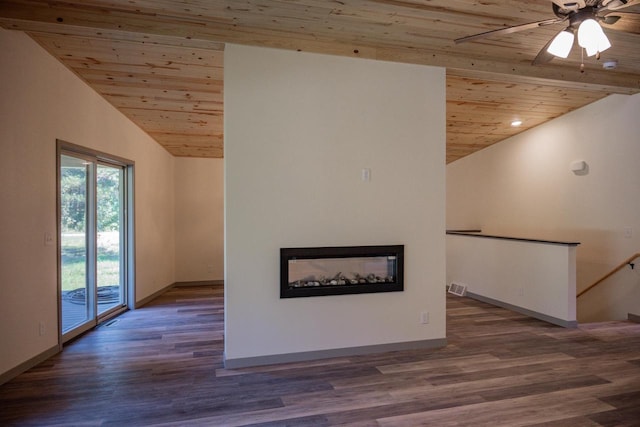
{"points": [[48, 239], [628, 232], [424, 317], [41, 329], [210, 268]]}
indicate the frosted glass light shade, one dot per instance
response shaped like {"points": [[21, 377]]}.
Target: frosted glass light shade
{"points": [[603, 42], [561, 44], [587, 33], [592, 38]]}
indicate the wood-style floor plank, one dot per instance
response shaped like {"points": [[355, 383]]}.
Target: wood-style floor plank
{"points": [[162, 366]]}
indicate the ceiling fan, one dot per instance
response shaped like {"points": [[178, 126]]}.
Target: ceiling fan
{"points": [[585, 18]]}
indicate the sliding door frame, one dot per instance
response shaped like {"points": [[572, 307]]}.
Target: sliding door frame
{"points": [[128, 227]]}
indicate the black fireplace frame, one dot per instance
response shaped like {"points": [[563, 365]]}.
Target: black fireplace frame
{"points": [[287, 254]]}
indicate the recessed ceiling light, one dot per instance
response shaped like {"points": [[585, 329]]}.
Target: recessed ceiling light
{"points": [[516, 123]]}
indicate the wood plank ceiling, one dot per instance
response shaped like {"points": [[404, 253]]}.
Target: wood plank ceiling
{"points": [[160, 62]]}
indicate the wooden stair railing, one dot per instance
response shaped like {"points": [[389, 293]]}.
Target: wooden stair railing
{"points": [[622, 265]]}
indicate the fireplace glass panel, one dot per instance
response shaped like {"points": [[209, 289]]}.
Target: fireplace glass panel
{"points": [[341, 270]]}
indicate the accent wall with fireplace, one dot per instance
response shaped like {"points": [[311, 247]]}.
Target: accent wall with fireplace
{"points": [[301, 130]]}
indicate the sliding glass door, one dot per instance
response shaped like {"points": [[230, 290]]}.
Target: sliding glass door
{"points": [[76, 176], [110, 241], [93, 211]]}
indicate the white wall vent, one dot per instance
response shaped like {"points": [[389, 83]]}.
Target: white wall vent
{"points": [[457, 289]]}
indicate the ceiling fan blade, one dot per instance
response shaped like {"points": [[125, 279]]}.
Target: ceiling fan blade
{"points": [[609, 20], [628, 22], [509, 30], [544, 56], [618, 4]]}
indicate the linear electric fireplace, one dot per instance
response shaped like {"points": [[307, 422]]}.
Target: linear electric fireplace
{"points": [[310, 272]]}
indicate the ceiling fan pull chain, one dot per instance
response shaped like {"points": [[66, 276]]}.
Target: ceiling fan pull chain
{"points": [[582, 60]]}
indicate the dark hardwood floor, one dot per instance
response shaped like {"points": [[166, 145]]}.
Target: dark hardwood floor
{"points": [[162, 365]]}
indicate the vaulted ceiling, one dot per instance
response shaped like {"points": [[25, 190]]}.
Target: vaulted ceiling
{"points": [[160, 62]]}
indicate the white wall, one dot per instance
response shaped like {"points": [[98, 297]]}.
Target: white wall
{"points": [[41, 101], [199, 219], [299, 128], [524, 187], [539, 278]]}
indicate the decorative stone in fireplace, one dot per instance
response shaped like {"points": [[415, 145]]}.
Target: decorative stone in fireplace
{"points": [[308, 272]]}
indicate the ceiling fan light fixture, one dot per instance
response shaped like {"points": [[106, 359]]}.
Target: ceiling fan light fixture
{"points": [[592, 38], [603, 42], [561, 44]]}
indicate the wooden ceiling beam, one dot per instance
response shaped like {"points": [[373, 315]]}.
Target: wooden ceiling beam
{"points": [[565, 78], [218, 26]]}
